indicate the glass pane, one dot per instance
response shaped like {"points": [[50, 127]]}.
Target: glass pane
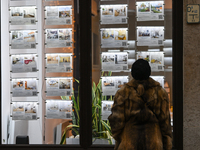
{"points": [[39, 102], [122, 32]]}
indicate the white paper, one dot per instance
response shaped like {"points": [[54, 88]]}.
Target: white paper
{"points": [[58, 62], [150, 10], [155, 59], [106, 109], [24, 63], [114, 61], [113, 14], [58, 38], [23, 39], [59, 86], [24, 87], [114, 37], [111, 84], [150, 36], [58, 15], [59, 109], [24, 110], [23, 15], [159, 79]]}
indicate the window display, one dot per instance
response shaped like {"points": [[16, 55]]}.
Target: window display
{"points": [[58, 109], [59, 86], [150, 10], [58, 38], [23, 39], [24, 63], [23, 15], [111, 37], [58, 15], [24, 87], [150, 36], [114, 61], [24, 110], [59, 62], [113, 14]]}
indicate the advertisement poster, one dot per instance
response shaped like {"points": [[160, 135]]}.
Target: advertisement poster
{"points": [[155, 59], [58, 15], [59, 86], [58, 62], [114, 37], [24, 87], [58, 38], [58, 109], [150, 36], [23, 39], [111, 84], [114, 61], [24, 110], [23, 15], [159, 79], [150, 10], [113, 14], [106, 109], [24, 63]]}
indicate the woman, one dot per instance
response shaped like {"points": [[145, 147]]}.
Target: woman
{"points": [[140, 118]]}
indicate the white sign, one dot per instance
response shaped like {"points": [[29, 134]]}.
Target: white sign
{"points": [[159, 79], [106, 107]]}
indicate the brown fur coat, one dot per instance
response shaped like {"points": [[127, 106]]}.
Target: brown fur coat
{"points": [[140, 117]]}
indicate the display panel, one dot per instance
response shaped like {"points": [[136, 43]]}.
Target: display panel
{"points": [[114, 37], [23, 15], [106, 109], [24, 110], [23, 39], [112, 61], [58, 109], [150, 36], [113, 14], [59, 62], [24, 63], [59, 86], [155, 59], [58, 38], [150, 10], [111, 84], [24, 87], [58, 15]]}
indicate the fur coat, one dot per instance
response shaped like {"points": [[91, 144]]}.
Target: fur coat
{"points": [[140, 118]]}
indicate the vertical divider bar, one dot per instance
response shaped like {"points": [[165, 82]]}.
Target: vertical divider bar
{"points": [[85, 74]]}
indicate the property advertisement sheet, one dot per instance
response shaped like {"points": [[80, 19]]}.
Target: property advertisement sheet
{"points": [[155, 59], [58, 38], [59, 86], [23, 39], [114, 61], [24, 63], [58, 62], [58, 15], [150, 36], [58, 109], [106, 109], [23, 15], [24, 87], [159, 79], [113, 14], [111, 84], [114, 37], [150, 10], [24, 110]]}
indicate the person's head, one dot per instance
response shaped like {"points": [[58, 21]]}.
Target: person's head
{"points": [[141, 70]]}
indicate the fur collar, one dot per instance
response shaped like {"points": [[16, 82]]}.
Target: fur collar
{"points": [[146, 83]]}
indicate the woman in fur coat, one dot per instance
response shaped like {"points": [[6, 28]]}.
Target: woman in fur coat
{"points": [[140, 118]]}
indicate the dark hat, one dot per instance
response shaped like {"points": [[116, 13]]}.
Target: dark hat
{"points": [[141, 70]]}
